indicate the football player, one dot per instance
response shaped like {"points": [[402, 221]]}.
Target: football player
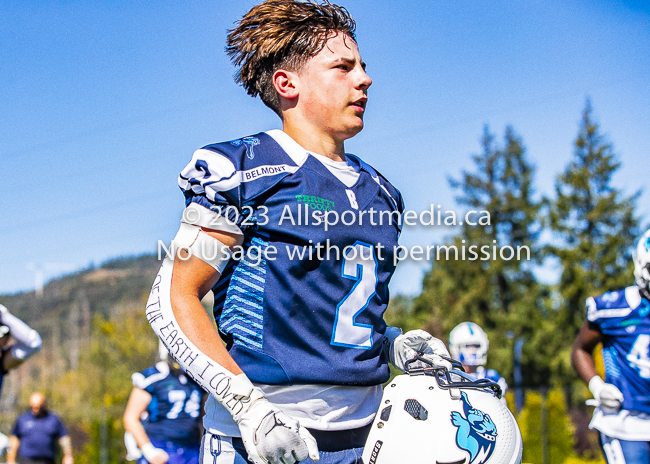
{"points": [[279, 225], [619, 320], [171, 403], [469, 344], [26, 342]]}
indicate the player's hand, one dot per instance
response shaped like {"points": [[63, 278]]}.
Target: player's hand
{"points": [[67, 459], [609, 397], [154, 455], [406, 346], [273, 437]]}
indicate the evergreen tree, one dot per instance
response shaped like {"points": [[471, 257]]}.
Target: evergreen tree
{"points": [[594, 229], [501, 295], [546, 428]]}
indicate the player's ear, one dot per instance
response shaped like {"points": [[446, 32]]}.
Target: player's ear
{"points": [[285, 83]]}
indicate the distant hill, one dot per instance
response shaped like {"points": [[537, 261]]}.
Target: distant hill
{"points": [[63, 316], [68, 303]]}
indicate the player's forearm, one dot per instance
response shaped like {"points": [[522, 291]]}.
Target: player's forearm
{"points": [[66, 445], [583, 363], [134, 425], [198, 327], [14, 443], [188, 332]]}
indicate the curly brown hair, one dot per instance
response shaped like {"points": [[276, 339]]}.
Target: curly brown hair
{"points": [[282, 34]]}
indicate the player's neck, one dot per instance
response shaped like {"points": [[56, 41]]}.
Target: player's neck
{"points": [[314, 140]]}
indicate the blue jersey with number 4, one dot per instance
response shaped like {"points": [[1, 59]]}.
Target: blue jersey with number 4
{"points": [[622, 318], [305, 304], [174, 410]]}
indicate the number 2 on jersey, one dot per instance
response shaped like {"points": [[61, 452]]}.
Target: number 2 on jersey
{"points": [[360, 264], [638, 356]]}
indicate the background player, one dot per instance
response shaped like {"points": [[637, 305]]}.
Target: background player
{"points": [[173, 403], [307, 346], [619, 320], [27, 342], [469, 344]]}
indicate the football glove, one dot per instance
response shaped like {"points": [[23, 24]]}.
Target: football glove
{"points": [[609, 397], [154, 455], [271, 436], [405, 347]]}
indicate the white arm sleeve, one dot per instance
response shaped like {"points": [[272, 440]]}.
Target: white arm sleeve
{"points": [[232, 391], [28, 341]]}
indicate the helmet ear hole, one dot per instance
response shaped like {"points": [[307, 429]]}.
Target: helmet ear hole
{"points": [[385, 413], [416, 410]]}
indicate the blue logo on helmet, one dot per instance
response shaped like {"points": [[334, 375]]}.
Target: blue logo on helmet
{"points": [[476, 433], [249, 142]]}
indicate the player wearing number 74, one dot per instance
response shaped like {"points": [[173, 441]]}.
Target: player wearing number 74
{"points": [[620, 320], [306, 346], [163, 415]]}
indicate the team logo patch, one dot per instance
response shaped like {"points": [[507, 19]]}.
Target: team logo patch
{"points": [[476, 433], [318, 203], [249, 143]]}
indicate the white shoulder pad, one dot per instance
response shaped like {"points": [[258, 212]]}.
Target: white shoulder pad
{"points": [[592, 310], [632, 296], [142, 382]]}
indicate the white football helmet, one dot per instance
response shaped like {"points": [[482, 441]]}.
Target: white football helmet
{"points": [[469, 344], [642, 262], [437, 416]]}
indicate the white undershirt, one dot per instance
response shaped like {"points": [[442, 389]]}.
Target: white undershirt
{"points": [[320, 407], [345, 171]]}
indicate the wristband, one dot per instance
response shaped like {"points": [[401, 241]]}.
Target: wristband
{"points": [[149, 451], [596, 385]]}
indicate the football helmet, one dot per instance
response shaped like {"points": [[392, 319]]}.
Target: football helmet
{"points": [[469, 344], [433, 415], [642, 262]]}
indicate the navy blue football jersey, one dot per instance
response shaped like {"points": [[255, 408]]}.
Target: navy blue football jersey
{"points": [[622, 318], [490, 374], [175, 407], [494, 376], [306, 305]]}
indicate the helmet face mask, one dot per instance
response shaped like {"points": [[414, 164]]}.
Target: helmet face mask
{"points": [[469, 344], [433, 415], [642, 263]]}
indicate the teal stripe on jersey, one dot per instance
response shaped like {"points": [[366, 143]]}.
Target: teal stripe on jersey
{"points": [[611, 369], [243, 308]]}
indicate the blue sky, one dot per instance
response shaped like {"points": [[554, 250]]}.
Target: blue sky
{"points": [[102, 104]]}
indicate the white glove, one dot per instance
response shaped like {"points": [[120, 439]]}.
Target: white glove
{"points": [[154, 455], [404, 347], [608, 396], [269, 435]]}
